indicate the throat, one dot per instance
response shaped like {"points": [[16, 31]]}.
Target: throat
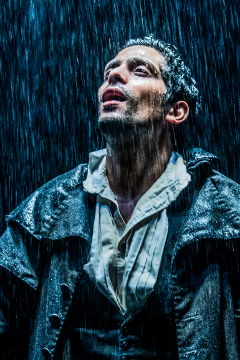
{"points": [[126, 206], [132, 171]]}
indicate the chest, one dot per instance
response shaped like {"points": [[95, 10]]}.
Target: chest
{"points": [[95, 329]]}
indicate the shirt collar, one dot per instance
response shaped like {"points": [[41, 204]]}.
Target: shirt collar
{"points": [[158, 197], [97, 182]]}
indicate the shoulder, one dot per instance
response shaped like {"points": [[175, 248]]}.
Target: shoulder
{"points": [[222, 197], [55, 211], [211, 183], [36, 210], [215, 213], [225, 186]]}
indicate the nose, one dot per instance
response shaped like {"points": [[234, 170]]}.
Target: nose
{"points": [[117, 75]]}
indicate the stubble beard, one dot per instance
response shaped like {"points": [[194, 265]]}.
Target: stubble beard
{"points": [[128, 130]]}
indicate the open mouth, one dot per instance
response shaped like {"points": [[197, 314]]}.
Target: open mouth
{"points": [[111, 97]]}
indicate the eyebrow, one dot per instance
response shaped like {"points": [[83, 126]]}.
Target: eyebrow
{"points": [[115, 63], [112, 64]]}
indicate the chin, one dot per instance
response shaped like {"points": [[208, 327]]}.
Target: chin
{"points": [[123, 130], [113, 115], [113, 122]]}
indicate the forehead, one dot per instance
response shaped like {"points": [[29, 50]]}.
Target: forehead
{"points": [[144, 52]]}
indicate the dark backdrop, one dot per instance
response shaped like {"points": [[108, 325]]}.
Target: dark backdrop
{"points": [[52, 57]]}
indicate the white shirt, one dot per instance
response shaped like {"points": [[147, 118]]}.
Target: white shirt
{"points": [[125, 259]]}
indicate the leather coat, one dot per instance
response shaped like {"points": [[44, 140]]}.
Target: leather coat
{"points": [[48, 240]]}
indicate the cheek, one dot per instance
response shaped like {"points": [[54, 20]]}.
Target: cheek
{"points": [[147, 92], [147, 104], [150, 99]]}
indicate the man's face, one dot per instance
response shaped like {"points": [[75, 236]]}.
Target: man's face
{"points": [[133, 87]]}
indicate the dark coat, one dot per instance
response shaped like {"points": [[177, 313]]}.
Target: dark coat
{"points": [[48, 240]]}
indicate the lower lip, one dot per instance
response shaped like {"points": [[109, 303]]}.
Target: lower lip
{"points": [[112, 102]]}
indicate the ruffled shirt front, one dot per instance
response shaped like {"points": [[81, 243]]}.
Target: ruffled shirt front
{"points": [[125, 258]]}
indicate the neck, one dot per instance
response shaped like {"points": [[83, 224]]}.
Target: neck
{"points": [[134, 166]]}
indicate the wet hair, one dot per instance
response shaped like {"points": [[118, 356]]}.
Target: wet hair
{"points": [[176, 75]]}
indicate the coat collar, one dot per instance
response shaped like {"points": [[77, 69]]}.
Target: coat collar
{"points": [[59, 209]]}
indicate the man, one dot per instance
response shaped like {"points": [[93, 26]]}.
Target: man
{"points": [[130, 257]]}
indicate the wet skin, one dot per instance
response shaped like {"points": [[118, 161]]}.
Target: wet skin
{"points": [[132, 92], [135, 72]]}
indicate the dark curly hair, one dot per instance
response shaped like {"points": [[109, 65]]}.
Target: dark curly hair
{"points": [[176, 75]]}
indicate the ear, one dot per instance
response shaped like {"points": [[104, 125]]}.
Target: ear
{"points": [[178, 112]]}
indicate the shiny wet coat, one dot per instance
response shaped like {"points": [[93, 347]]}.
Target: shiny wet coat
{"points": [[48, 240]]}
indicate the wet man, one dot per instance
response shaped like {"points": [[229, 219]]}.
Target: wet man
{"points": [[134, 255]]}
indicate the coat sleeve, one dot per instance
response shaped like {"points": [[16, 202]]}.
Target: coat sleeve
{"points": [[204, 306], [4, 325], [7, 314], [17, 308], [19, 273]]}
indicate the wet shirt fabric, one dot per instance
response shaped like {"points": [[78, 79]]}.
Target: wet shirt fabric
{"points": [[125, 258]]}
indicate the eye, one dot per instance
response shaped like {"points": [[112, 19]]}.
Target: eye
{"points": [[142, 70]]}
